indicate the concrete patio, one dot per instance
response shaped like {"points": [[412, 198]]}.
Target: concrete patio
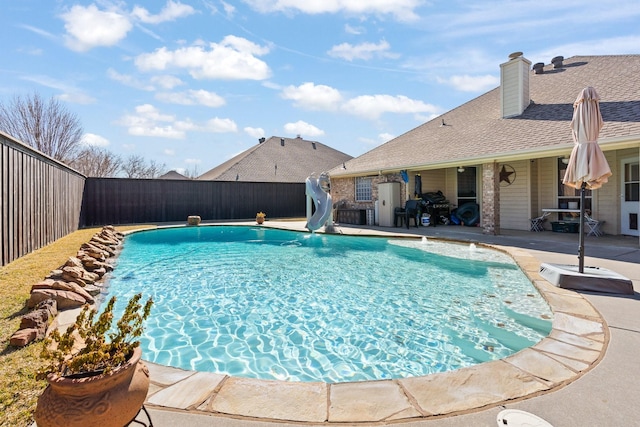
{"points": [[583, 374]]}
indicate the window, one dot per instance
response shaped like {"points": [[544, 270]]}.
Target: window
{"points": [[569, 197], [363, 189]]}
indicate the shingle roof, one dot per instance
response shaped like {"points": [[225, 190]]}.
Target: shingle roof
{"points": [[172, 175], [278, 160], [475, 130]]}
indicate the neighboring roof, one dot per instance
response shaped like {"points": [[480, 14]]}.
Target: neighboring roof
{"points": [[172, 175], [278, 160], [475, 132]]}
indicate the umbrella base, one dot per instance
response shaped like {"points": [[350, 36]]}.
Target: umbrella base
{"points": [[594, 279]]}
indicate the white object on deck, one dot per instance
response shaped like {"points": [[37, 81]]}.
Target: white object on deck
{"points": [[517, 418]]}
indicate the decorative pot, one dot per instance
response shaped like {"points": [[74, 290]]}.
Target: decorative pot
{"points": [[259, 219], [102, 400]]}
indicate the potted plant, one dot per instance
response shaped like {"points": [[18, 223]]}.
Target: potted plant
{"points": [[95, 374], [260, 216]]}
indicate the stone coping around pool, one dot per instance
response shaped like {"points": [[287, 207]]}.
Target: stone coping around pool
{"points": [[577, 342]]}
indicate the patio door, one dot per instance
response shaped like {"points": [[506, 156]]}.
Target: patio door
{"points": [[630, 204]]}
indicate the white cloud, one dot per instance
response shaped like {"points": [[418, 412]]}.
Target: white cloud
{"points": [[384, 137], [170, 12], [608, 46], [76, 98], [372, 106], [218, 125], [192, 97], [70, 93], [148, 121], [254, 132], [128, 80], [38, 31], [166, 81], [89, 27], [233, 59], [169, 152], [402, 10], [93, 140], [363, 51], [229, 9], [353, 30], [303, 128], [466, 83], [313, 97], [193, 161]]}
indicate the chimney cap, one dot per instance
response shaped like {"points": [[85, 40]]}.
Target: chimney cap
{"points": [[515, 55]]}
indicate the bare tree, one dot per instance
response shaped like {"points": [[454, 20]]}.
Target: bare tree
{"points": [[46, 126], [137, 167], [192, 173], [97, 162]]}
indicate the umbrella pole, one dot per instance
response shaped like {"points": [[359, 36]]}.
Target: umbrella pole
{"points": [[581, 228]]}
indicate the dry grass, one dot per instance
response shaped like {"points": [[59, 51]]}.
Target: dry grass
{"points": [[19, 390]]}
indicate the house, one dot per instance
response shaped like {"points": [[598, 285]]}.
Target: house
{"points": [[173, 175], [278, 159], [507, 149]]}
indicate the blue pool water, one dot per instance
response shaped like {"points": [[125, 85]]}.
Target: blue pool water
{"points": [[273, 304]]}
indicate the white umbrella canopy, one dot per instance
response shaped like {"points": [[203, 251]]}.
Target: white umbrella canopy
{"points": [[587, 163], [587, 168]]}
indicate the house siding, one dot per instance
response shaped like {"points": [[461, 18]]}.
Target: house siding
{"points": [[515, 86], [514, 199]]}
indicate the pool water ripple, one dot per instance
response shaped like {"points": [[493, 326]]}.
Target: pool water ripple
{"points": [[274, 304]]}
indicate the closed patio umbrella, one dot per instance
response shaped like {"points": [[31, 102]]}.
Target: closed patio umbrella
{"points": [[418, 185], [587, 168]]}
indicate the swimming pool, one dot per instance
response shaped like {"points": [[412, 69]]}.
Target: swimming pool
{"points": [[274, 304]]}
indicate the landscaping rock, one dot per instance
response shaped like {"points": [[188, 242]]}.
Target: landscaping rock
{"points": [[55, 275], [22, 337], [72, 274], [39, 320], [73, 287], [93, 290], [45, 284], [73, 262], [64, 299], [50, 305]]}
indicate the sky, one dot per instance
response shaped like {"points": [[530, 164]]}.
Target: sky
{"points": [[191, 83]]}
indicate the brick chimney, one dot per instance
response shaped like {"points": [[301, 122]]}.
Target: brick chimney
{"points": [[514, 85]]}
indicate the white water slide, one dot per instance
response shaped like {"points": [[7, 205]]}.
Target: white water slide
{"points": [[318, 190]]}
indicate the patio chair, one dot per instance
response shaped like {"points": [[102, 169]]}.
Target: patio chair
{"points": [[593, 227], [413, 209], [537, 224]]}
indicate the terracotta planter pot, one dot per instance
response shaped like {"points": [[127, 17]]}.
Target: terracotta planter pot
{"points": [[103, 400], [259, 219]]}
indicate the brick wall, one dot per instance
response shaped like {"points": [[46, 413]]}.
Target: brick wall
{"points": [[490, 199], [343, 190]]}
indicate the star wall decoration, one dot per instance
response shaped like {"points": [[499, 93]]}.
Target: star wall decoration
{"points": [[507, 175]]}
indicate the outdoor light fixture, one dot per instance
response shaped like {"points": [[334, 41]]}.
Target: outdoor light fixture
{"points": [[565, 160], [460, 169]]}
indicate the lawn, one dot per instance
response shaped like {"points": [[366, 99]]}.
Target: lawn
{"points": [[19, 390]]}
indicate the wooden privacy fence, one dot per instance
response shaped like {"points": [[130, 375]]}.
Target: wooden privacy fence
{"points": [[136, 201], [40, 199], [43, 200]]}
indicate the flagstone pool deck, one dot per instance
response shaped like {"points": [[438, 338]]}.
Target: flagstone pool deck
{"points": [[585, 373]]}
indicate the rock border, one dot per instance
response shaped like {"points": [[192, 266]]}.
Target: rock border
{"points": [[73, 285]]}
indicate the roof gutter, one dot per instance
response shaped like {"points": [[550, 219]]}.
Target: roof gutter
{"points": [[607, 144]]}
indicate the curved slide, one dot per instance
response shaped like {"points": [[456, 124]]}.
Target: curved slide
{"points": [[317, 189]]}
